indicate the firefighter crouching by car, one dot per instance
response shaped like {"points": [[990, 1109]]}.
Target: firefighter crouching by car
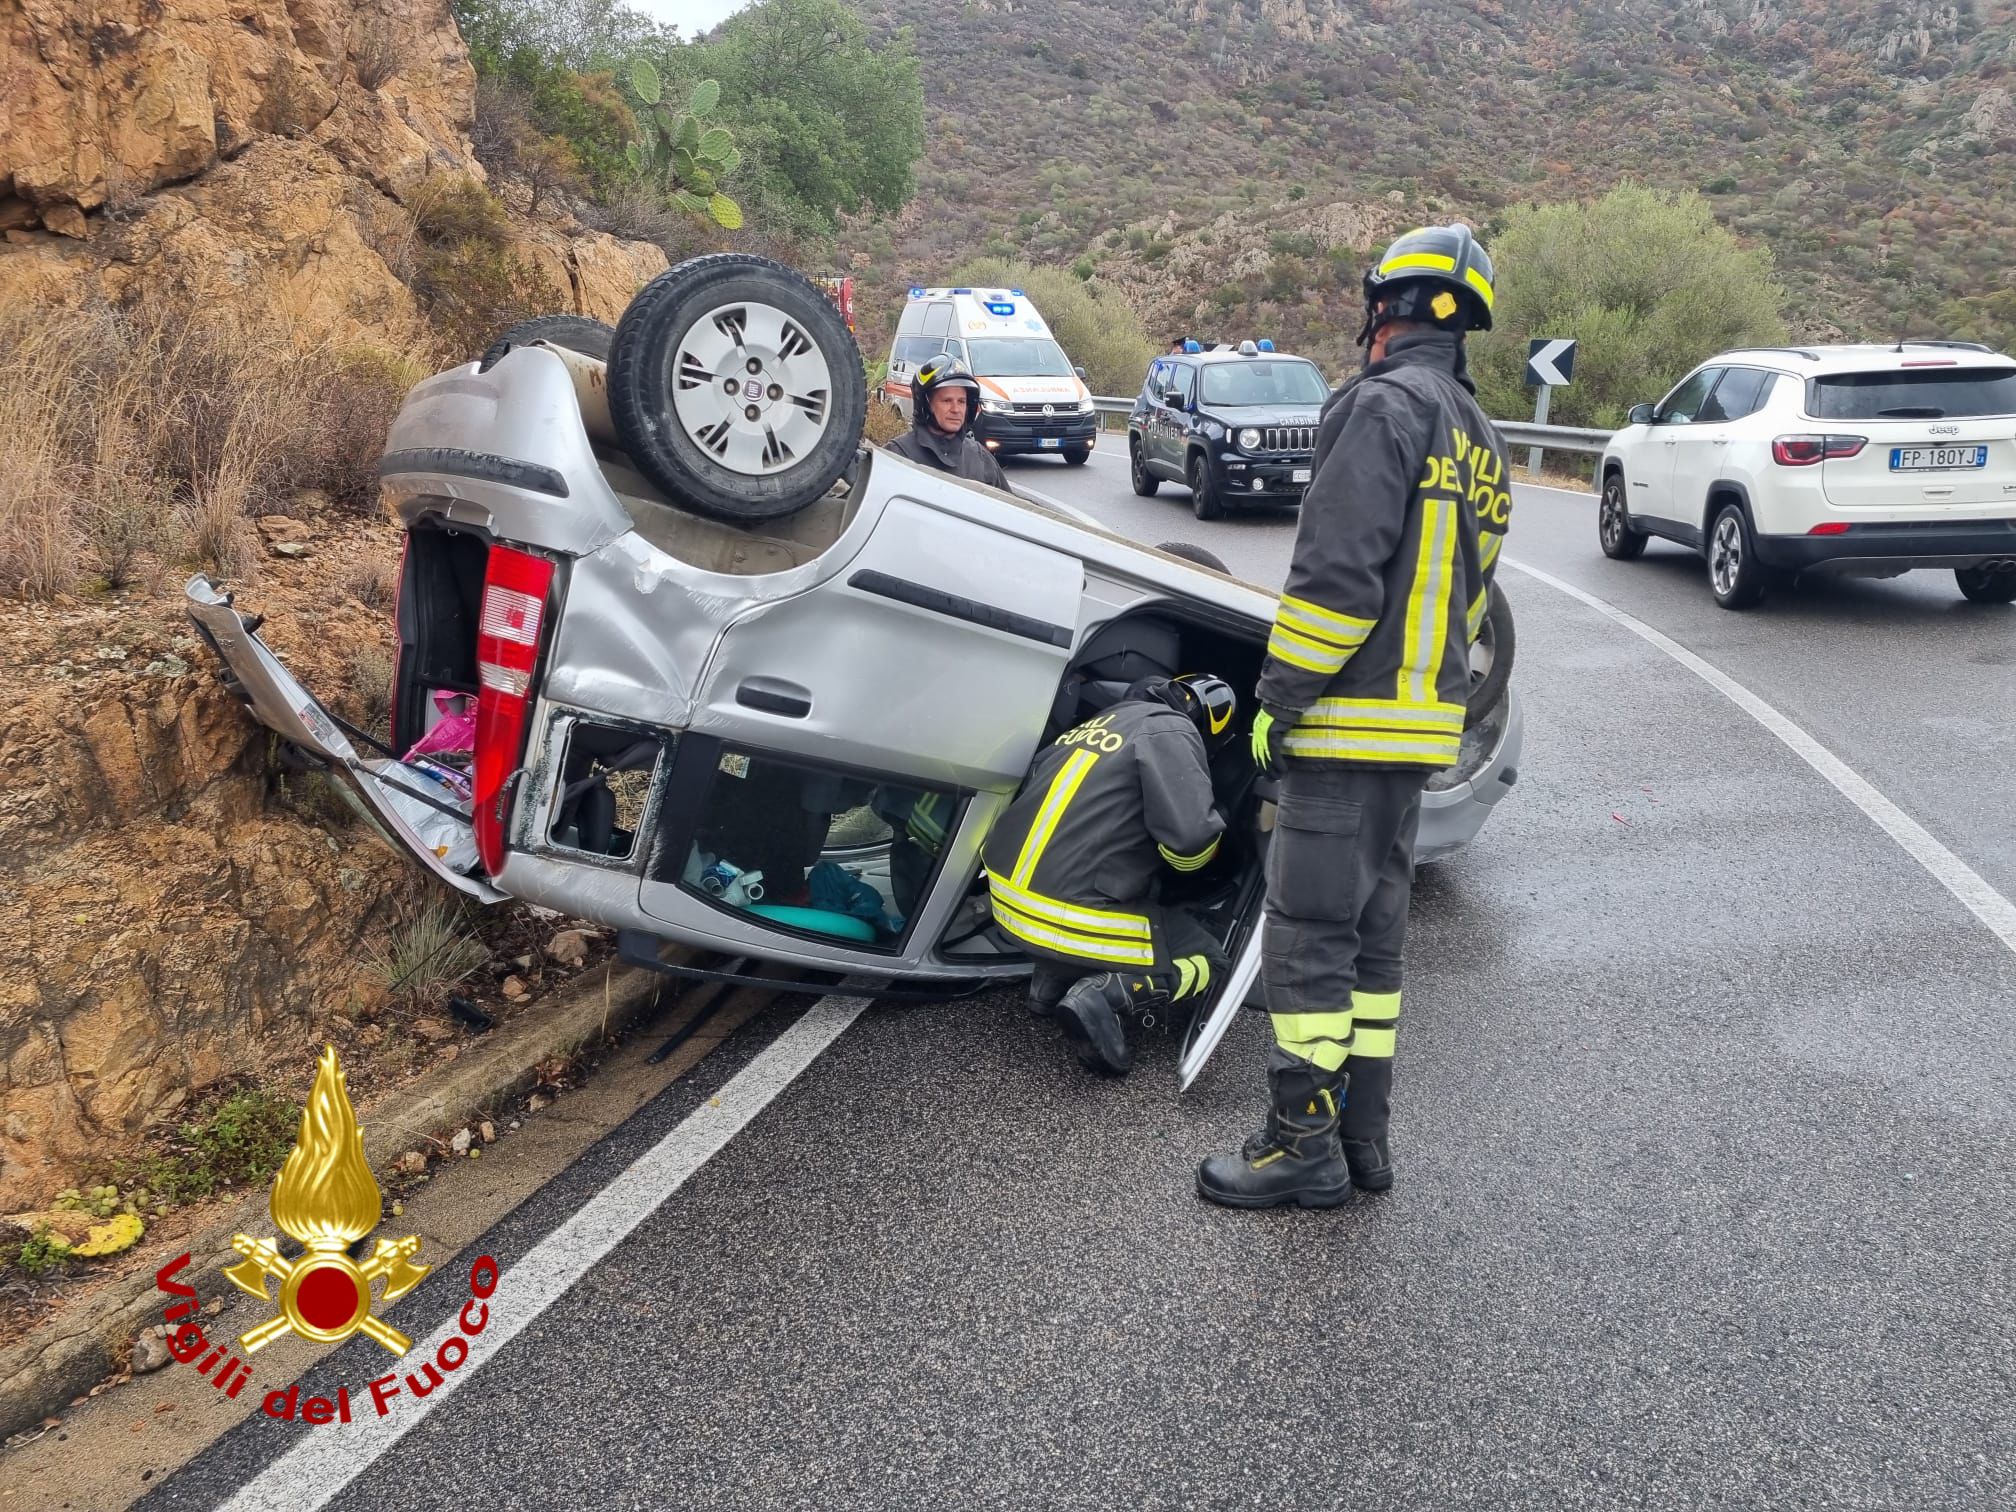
{"points": [[1073, 864], [944, 398], [1363, 697]]}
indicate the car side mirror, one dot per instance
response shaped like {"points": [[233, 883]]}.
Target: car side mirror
{"points": [[1641, 414], [1081, 374], [1173, 398]]}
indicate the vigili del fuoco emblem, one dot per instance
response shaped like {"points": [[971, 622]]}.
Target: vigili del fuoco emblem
{"points": [[326, 1199]]}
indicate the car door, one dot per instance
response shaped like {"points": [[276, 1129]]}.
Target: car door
{"points": [[1176, 420], [1700, 448], [1652, 486]]}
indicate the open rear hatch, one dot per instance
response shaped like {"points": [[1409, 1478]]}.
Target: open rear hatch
{"points": [[408, 808]]}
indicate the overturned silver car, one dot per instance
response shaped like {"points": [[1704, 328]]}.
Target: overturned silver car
{"points": [[680, 656]]}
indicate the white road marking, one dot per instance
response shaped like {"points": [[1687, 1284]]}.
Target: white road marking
{"points": [[1955, 875], [316, 1470]]}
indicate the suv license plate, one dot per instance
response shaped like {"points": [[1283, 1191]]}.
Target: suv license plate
{"points": [[1300, 475], [1049, 443], [1936, 458]]}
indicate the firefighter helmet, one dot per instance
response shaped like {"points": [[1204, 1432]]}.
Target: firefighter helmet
{"points": [[1206, 701], [1438, 275], [942, 373]]}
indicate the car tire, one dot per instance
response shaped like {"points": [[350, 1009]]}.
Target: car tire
{"points": [[1077, 456], [1735, 576], [1614, 531], [782, 441], [1204, 500], [1145, 483], [1491, 657], [577, 333], [1986, 585], [1195, 554]]}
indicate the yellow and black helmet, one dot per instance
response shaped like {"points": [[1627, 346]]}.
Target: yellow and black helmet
{"points": [[942, 373], [1210, 703], [1438, 275]]}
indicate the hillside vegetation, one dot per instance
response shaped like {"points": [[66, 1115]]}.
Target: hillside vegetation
{"points": [[1268, 146]]}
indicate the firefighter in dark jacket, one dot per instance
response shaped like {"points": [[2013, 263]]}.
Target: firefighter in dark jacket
{"points": [[944, 398], [1073, 865], [1363, 698]]}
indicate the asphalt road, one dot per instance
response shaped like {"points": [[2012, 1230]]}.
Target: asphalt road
{"points": [[1703, 1121]]}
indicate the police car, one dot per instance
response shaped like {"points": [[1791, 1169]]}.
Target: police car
{"points": [[1235, 425], [678, 655], [1031, 398]]}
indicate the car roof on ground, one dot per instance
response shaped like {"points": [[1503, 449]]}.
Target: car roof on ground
{"points": [[1848, 357]]}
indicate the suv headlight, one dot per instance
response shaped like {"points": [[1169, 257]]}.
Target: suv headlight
{"points": [[1086, 406], [995, 406], [1249, 439]]}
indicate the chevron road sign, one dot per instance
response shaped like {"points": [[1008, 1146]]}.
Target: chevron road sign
{"points": [[1550, 362]]}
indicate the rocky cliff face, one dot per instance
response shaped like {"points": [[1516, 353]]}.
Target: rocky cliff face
{"points": [[256, 150], [172, 920]]}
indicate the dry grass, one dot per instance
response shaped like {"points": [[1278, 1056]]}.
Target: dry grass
{"points": [[376, 54], [139, 438], [373, 584]]}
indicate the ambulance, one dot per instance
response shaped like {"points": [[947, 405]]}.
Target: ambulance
{"points": [[1031, 398]]}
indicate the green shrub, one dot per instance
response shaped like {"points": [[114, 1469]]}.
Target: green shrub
{"points": [[1098, 329]]}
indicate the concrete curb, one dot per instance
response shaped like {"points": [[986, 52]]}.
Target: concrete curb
{"points": [[68, 1354]]}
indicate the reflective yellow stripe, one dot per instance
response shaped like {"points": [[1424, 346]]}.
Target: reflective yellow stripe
{"points": [[1103, 948], [1074, 916], [1383, 1006], [1488, 552], [1323, 1039], [1482, 285], [1203, 972], [1428, 603], [1305, 654], [1062, 787], [1186, 977], [1191, 863], [1314, 621], [1377, 745], [923, 826], [1374, 1042], [1381, 713], [1419, 260], [1476, 614]]}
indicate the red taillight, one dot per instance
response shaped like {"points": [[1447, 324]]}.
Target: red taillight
{"points": [[1805, 451], [1830, 527], [507, 648]]}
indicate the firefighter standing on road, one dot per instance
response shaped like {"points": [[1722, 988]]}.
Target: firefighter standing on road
{"points": [[944, 397], [1362, 698], [1073, 865]]}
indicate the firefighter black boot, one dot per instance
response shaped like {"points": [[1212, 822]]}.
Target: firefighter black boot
{"points": [[1362, 1130], [1047, 986], [1094, 1014], [1298, 1161]]}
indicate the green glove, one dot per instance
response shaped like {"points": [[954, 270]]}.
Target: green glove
{"points": [[1267, 740]]}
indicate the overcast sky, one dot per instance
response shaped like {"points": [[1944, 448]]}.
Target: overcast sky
{"points": [[692, 17]]}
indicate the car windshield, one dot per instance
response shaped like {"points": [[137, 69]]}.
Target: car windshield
{"points": [[999, 358], [1236, 384], [1920, 394]]}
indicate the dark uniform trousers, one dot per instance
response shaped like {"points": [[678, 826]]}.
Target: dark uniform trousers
{"points": [[1340, 872]]}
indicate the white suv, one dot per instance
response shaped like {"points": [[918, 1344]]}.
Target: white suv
{"points": [[1860, 460]]}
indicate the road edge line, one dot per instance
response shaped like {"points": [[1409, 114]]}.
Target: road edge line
{"points": [[1955, 875], [319, 1468]]}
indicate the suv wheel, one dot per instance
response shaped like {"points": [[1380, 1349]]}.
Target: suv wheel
{"points": [[1990, 583], [1204, 500], [1145, 482], [735, 386], [1614, 532], [1734, 573]]}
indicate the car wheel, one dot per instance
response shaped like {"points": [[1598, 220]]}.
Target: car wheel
{"points": [[1077, 456], [1204, 500], [1491, 657], [1991, 583], [1195, 554], [1145, 482], [1734, 573], [1613, 523], [736, 387], [577, 333]]}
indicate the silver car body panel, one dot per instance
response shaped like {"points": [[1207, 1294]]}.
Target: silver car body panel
{"points": [[920, 627]]}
